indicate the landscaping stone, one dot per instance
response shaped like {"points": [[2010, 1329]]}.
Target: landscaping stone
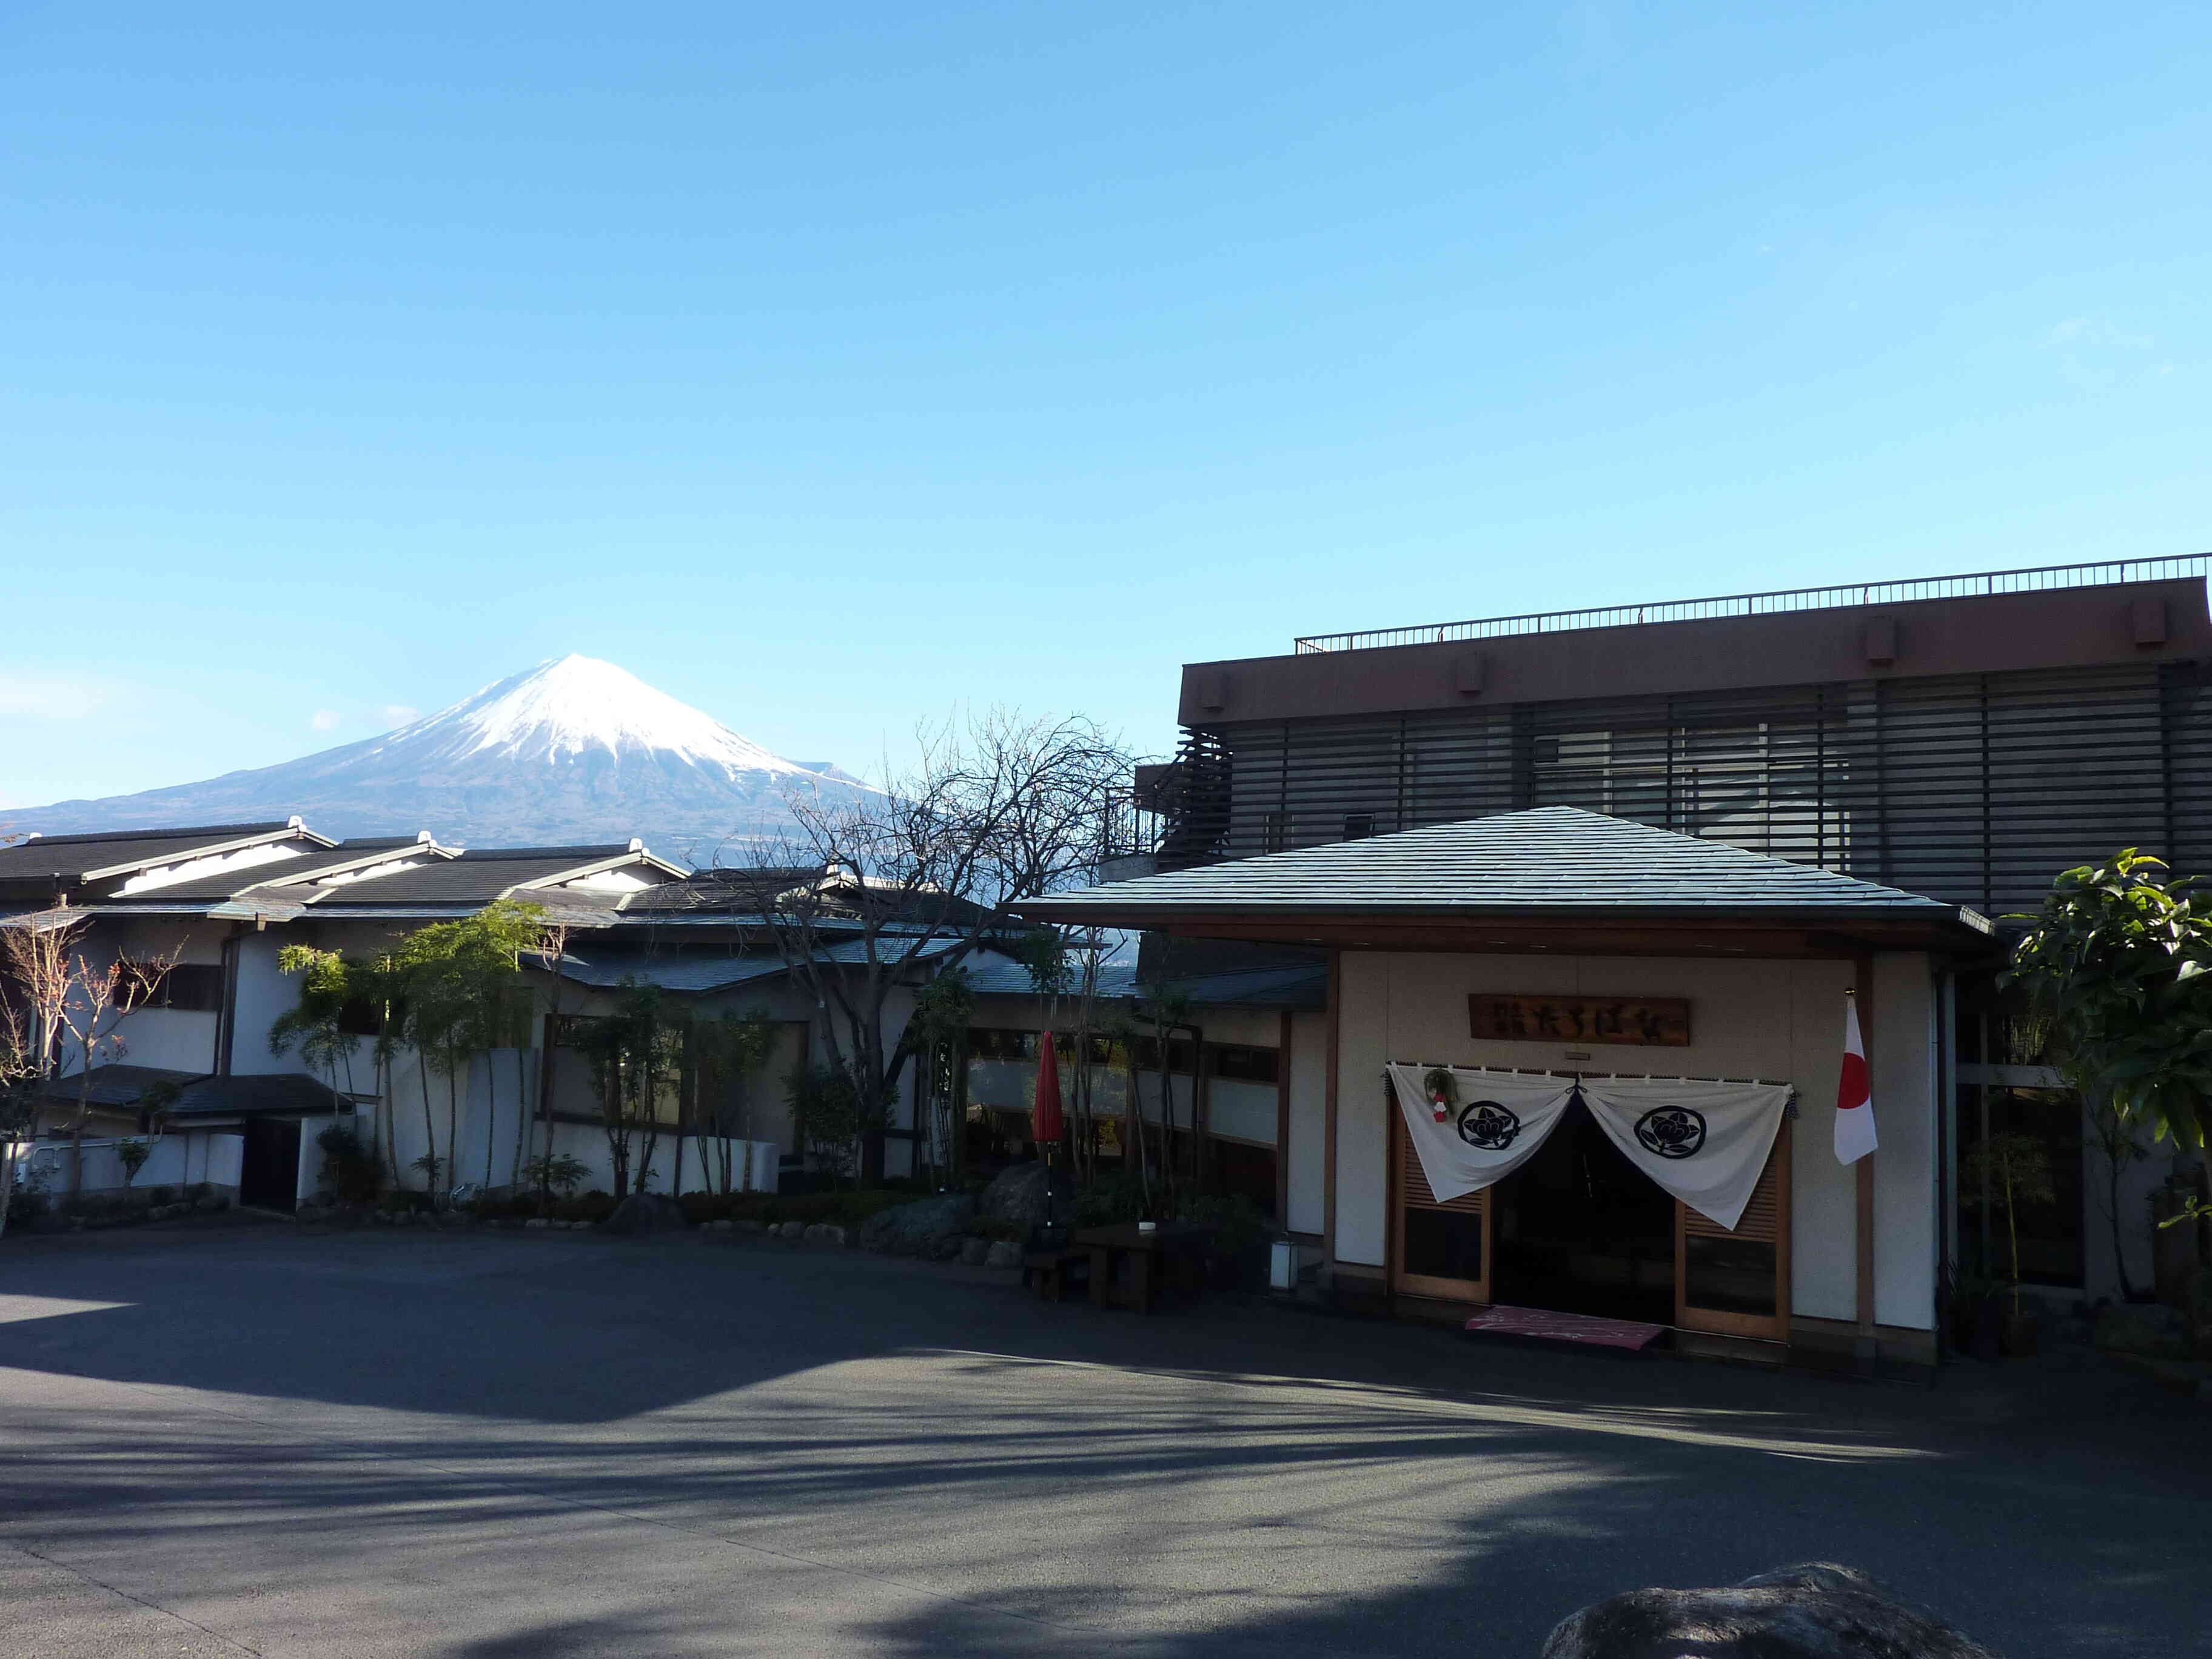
{"points": [[1019, 1196], [1816, 1611], [790, 1229], [1003, 1254], [825, 1232], [647, 1212], [211, 1203], [917, 1229], [949, 1247], [752, 1226], [973, 1250], [537, 1221]]}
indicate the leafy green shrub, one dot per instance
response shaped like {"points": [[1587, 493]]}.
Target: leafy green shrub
{"points": [[159, 1196], [349, 1169], [1114, 1197], [594, 1205], [559, 1173]]}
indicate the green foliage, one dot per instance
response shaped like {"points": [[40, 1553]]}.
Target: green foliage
{"points": [[559, 1174], [132, 1155], [848, 1208], [2116, 960], [943, 1011], [1044, 952], [350, 1168], [830, 1116], [1115, 1197], [2015, 1168]]}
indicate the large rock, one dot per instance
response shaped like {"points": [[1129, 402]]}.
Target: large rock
{"points": [[1019, 1196], [919, 1228], [647, 1212], [1817, 1611]]}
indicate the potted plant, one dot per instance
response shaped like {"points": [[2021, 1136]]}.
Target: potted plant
{"points": [[2009, 1170]]}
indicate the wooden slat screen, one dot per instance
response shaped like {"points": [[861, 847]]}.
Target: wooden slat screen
{"points": [[1761, 1221], [1976, 789], [1413, 1186]]}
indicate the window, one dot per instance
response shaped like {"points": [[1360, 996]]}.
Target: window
{"points": [[1243, 1065], [190, 987], [1357, 826], [1273, 830], [359, 1017], [988, 1042]]}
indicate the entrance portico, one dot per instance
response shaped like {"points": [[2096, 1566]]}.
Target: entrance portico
{"points": [[1562, 942]]}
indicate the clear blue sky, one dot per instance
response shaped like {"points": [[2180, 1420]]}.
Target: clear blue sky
{"points": [[830, 366]]}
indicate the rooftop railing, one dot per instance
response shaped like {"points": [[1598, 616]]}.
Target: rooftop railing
{"points": [[1781, 599]]}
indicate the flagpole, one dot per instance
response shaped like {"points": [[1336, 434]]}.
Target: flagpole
{"points": [[1863, 1344]]}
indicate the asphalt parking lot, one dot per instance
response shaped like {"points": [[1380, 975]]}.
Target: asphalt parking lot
{"points": [[253, 1440]]}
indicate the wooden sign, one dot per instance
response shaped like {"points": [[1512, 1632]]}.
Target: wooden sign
{"points": [[1660, 1022]]}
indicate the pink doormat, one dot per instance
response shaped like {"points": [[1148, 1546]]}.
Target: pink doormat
{"points": [[1543, 1325]]}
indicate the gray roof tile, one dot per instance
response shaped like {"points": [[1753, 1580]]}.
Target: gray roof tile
{"points": [[1557, 860]]}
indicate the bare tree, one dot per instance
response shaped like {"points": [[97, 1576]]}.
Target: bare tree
{"points": [[76, 1000], [866, 895], [21, 1080]]}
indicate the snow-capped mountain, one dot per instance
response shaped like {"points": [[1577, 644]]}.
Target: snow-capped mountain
{"points": [[573, 750]]}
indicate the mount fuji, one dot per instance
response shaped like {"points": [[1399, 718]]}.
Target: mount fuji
{"points": [[573, 750]]}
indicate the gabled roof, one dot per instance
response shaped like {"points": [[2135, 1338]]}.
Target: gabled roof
{"points": [[476, 876], [1548, 861], [125, 852], [204, 1094], [320, 864]]}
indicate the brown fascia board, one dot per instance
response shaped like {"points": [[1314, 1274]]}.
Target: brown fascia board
{"points": [[2055, 628]]}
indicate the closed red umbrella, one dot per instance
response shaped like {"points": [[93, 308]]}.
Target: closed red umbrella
{"points": [[1049, 1122]]}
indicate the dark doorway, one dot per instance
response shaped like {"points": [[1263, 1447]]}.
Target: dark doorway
{"points": [[269, 1172], [1581, 1230]]}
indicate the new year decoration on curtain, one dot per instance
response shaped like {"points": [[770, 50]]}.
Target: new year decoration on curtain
{"points": [[1471, 1129], [1704, 1142]]}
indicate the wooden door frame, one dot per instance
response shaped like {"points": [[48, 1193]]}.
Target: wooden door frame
{"points": [[1773, 1328], [1474, 1291]]}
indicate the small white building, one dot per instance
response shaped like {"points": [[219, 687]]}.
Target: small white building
{"points": [[1541, 957], [194, 1064]]}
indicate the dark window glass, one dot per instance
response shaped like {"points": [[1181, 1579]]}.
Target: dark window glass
{"points": [[989, 1042], [1273, 830], [1731, 1275], [1357, 826], [192, 987], [359, 1016], [1145, 1051], [1443, 1245], [1244, 1064]]}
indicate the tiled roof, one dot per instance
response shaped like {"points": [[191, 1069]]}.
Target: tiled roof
{"points": [[202, 1094], [71, 855], [464, 878], [1550, 860], [279, 873], [116, 1085]]}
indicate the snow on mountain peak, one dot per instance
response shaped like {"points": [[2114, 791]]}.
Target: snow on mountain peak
{"points": [[568, 706]]}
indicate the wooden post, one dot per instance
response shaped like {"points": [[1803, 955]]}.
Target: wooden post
{"points": [[1863, 1345]]}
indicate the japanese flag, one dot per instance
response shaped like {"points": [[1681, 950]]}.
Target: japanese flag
{"points": [[1855, 1136]]}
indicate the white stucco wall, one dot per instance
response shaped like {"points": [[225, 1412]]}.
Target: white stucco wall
{"points": [[1776, 1020]]}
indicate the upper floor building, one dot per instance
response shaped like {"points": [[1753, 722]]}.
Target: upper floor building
{"points": [[1965, 738]]}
